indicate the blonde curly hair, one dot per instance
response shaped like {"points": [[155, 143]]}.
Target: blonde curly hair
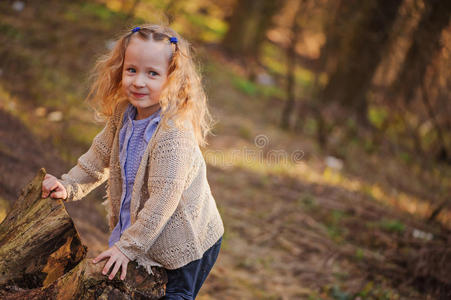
{"points": [[182, 98]]}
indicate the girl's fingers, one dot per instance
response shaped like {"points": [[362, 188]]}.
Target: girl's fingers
{"points": [[101, 256], [58, 194], [53, 187], [117, 265], [117, 258], [108, 265], [47, 188], [48, 184], [124, 270]]}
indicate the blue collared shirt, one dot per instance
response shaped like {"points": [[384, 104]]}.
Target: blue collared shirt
{"points": [[133, 139]]}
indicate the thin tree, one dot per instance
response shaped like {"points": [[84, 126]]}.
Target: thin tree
{"points": [[291, 67]]}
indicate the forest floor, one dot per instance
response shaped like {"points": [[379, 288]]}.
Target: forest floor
{"points": [[295, 228]]}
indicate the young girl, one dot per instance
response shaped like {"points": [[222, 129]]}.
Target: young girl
{"points": [[161, 210]]}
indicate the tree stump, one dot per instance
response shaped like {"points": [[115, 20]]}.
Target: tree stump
{"points": [[42, 257]]}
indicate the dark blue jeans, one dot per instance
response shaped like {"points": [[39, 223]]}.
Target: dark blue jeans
{"points": [[185, 282]]}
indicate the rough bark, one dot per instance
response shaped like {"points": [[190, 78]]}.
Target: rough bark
{"points": [[360, 54], [42, 257]]}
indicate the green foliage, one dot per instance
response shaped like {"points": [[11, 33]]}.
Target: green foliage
{"points": [[337, 215], [245, 132], [371, 290], [211, 28], [351, 124], [377, 116], [334, 228], [338, 294], [83, 133], [98, 10], [270, 56], [392, 225], [334, 233], [244, 85], [308, 201], [375, 291], [341, 275], [405, 157], [10, 31], [310, 126], [253, 89], [303, 77], [271, 91], [369, 146], [359, 254]]}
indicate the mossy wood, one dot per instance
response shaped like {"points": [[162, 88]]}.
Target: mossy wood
{"points": [[42, 257]]}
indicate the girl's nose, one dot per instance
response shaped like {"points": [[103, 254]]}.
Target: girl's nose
{"points": [[139, 81]]}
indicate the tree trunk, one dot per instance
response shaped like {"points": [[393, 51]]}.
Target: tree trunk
{"points": [[247, 27], [43, 257], [425, 46], [360, 54], [291, 67]]}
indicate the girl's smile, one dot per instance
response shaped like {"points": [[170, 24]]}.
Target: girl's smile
{"points": [[139, 95]]}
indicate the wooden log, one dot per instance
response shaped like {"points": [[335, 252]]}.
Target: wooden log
{"points": [[42, 257]]}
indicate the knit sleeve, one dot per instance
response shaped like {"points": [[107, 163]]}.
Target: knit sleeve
{"points": [[169, 169], [92, 168]]}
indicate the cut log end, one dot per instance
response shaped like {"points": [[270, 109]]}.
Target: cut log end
{"points": [[43, 257]]}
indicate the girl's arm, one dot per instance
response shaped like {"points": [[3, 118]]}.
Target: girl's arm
{"points": [[168, 176], [92, 167]]}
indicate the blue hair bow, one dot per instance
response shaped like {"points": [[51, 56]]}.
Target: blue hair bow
{"points": [[136, 29], [173, 40]]}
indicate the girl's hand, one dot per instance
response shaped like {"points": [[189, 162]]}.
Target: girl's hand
{"points": [[50, 185], [117, 258]]}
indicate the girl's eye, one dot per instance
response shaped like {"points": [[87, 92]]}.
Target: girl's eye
{"points": [[132, 70]]}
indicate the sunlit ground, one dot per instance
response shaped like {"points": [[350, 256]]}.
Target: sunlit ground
{"points": [[280, 162]]}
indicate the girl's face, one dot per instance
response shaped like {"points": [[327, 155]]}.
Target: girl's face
{"points": [[144, 75]]}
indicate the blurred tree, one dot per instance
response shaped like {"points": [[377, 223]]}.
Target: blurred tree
{"points": [[336, 27], [291, 66], [129, 7], [417, 88], [425, 46], [170, 10], [247, 27], [358, 52]]}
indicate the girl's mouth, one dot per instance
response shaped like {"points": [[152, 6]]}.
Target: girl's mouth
{"points": [[138, 95]]}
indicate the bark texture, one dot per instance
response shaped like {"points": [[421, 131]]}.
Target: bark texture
{"points": [[42, 257]]}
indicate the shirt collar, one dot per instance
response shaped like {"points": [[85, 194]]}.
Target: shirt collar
{"points": [[154, 119]]}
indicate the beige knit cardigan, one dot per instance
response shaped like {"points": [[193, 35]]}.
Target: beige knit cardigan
{"points": [[173, 215]]}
